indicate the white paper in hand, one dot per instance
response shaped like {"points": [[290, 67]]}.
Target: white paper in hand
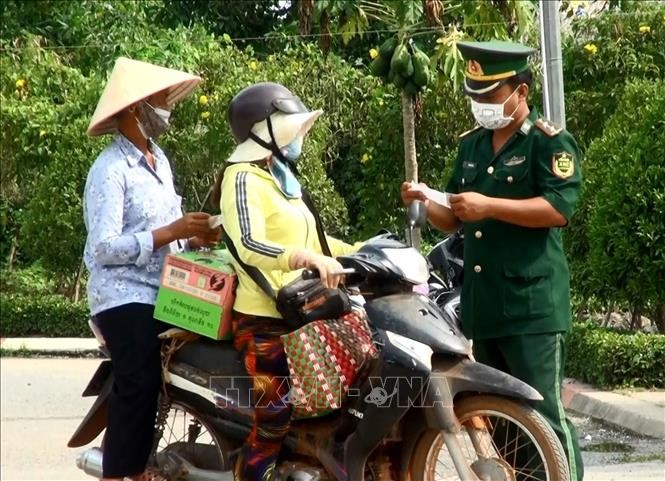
{"points": [[214, 221], [441, 198]]}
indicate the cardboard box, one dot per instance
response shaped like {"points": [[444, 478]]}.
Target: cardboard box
{"points": [[197, 291]]}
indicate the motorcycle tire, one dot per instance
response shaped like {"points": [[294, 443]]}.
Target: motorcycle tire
{"points": [[425, 460]]}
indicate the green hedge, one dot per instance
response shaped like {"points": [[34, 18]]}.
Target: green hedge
{"points": [[25, 315], [599, 356], [32, 280], [609, 358], [615, 241]]}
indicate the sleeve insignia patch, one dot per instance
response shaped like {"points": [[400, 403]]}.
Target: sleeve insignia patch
{"points": [[563, 165]]}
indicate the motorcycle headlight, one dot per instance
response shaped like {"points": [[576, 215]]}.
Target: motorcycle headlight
{"points": [[412, 264]]}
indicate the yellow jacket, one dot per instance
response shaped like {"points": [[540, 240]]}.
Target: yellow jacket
{"points": [[266, 228]]}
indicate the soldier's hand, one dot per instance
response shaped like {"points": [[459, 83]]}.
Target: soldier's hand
{"points": [[412, 191], [470, 206]]}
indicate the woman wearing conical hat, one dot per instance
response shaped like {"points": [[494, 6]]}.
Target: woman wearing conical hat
{"points": [[133, 218]]}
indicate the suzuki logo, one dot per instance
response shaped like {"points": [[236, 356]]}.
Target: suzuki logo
{"points": [[356, 413]]}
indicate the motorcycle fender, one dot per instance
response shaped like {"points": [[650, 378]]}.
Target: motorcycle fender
{"points": [[415, 424], [95, 421], [469, 376], [96, 384]]}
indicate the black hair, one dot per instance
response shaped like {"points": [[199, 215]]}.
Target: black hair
{"points": [[525, 77], [216, 190]]}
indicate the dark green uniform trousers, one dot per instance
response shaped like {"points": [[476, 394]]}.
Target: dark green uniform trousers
{"points": [[538, 360]]}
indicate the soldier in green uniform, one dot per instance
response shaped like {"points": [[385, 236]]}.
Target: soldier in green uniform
{"points": [[514, 186]]}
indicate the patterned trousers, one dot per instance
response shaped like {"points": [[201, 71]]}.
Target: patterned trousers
{"points": [[257, 338]]}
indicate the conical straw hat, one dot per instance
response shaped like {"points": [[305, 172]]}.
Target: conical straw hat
{"points": [[131, 81]]}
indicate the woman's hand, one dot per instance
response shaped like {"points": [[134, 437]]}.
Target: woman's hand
{"points": [[193, 224], [210, 240], [327, 266]]}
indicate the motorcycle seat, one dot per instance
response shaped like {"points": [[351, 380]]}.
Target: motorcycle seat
{"points": [[217, 358]]}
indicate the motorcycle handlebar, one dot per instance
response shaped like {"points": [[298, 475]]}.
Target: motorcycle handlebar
{"points": [[309, 274]]}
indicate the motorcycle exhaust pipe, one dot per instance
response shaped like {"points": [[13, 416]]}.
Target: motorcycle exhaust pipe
{"points": [[196, 474], [90, 462], [191, 473]]}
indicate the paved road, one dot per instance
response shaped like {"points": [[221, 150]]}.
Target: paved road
{"points": [[41, 406]]}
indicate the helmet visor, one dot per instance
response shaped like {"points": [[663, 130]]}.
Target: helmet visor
{"points": [[289, 105]]}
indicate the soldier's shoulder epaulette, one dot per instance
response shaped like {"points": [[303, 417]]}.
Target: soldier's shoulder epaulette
{"points": [[470, 131], [549, 128]]}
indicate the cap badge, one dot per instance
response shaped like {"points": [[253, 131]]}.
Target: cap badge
{"points": [[475, 68]]}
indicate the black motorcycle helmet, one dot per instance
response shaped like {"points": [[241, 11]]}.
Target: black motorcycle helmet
{"points": [[250, 106], [257, 103]]}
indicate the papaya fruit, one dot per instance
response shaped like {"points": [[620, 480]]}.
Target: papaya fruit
{"points": [[421, 70], [408, 73], [401, 60], [379, 66], [399, 81], [388, 47]]}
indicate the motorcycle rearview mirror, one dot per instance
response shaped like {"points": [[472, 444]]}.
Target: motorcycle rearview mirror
{"points": [[416, 217], [417, 214]]}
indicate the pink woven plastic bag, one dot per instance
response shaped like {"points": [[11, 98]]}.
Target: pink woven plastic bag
{"points": [[325, 358]]}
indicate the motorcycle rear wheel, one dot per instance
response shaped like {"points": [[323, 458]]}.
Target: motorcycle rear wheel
{"points": [[515, 443], [188, 434]]}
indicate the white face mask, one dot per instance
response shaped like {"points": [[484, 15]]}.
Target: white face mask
{"points": [[491, 116]]}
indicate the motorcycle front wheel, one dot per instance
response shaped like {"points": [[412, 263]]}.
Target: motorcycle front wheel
{"points": [[501, 440]]}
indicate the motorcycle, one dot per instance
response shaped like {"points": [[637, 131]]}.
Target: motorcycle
{"points": [[447, 274], [425, 410]]}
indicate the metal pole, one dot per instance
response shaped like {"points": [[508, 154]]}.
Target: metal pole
{"points": [[550, 39]]}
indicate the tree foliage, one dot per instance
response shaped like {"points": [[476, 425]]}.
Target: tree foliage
{"points": [[49, 94], [601, 54], [252, 20], [56, 55]]}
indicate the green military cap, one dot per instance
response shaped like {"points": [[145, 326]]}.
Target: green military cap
{"points": [[490, 64]]}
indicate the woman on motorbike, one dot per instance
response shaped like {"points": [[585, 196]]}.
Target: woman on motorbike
{"points": [[272, 229], [133, 218]]}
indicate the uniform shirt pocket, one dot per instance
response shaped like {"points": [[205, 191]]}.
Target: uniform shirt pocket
{"points": [[527, 291], [512, 180], [468, 174]]}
